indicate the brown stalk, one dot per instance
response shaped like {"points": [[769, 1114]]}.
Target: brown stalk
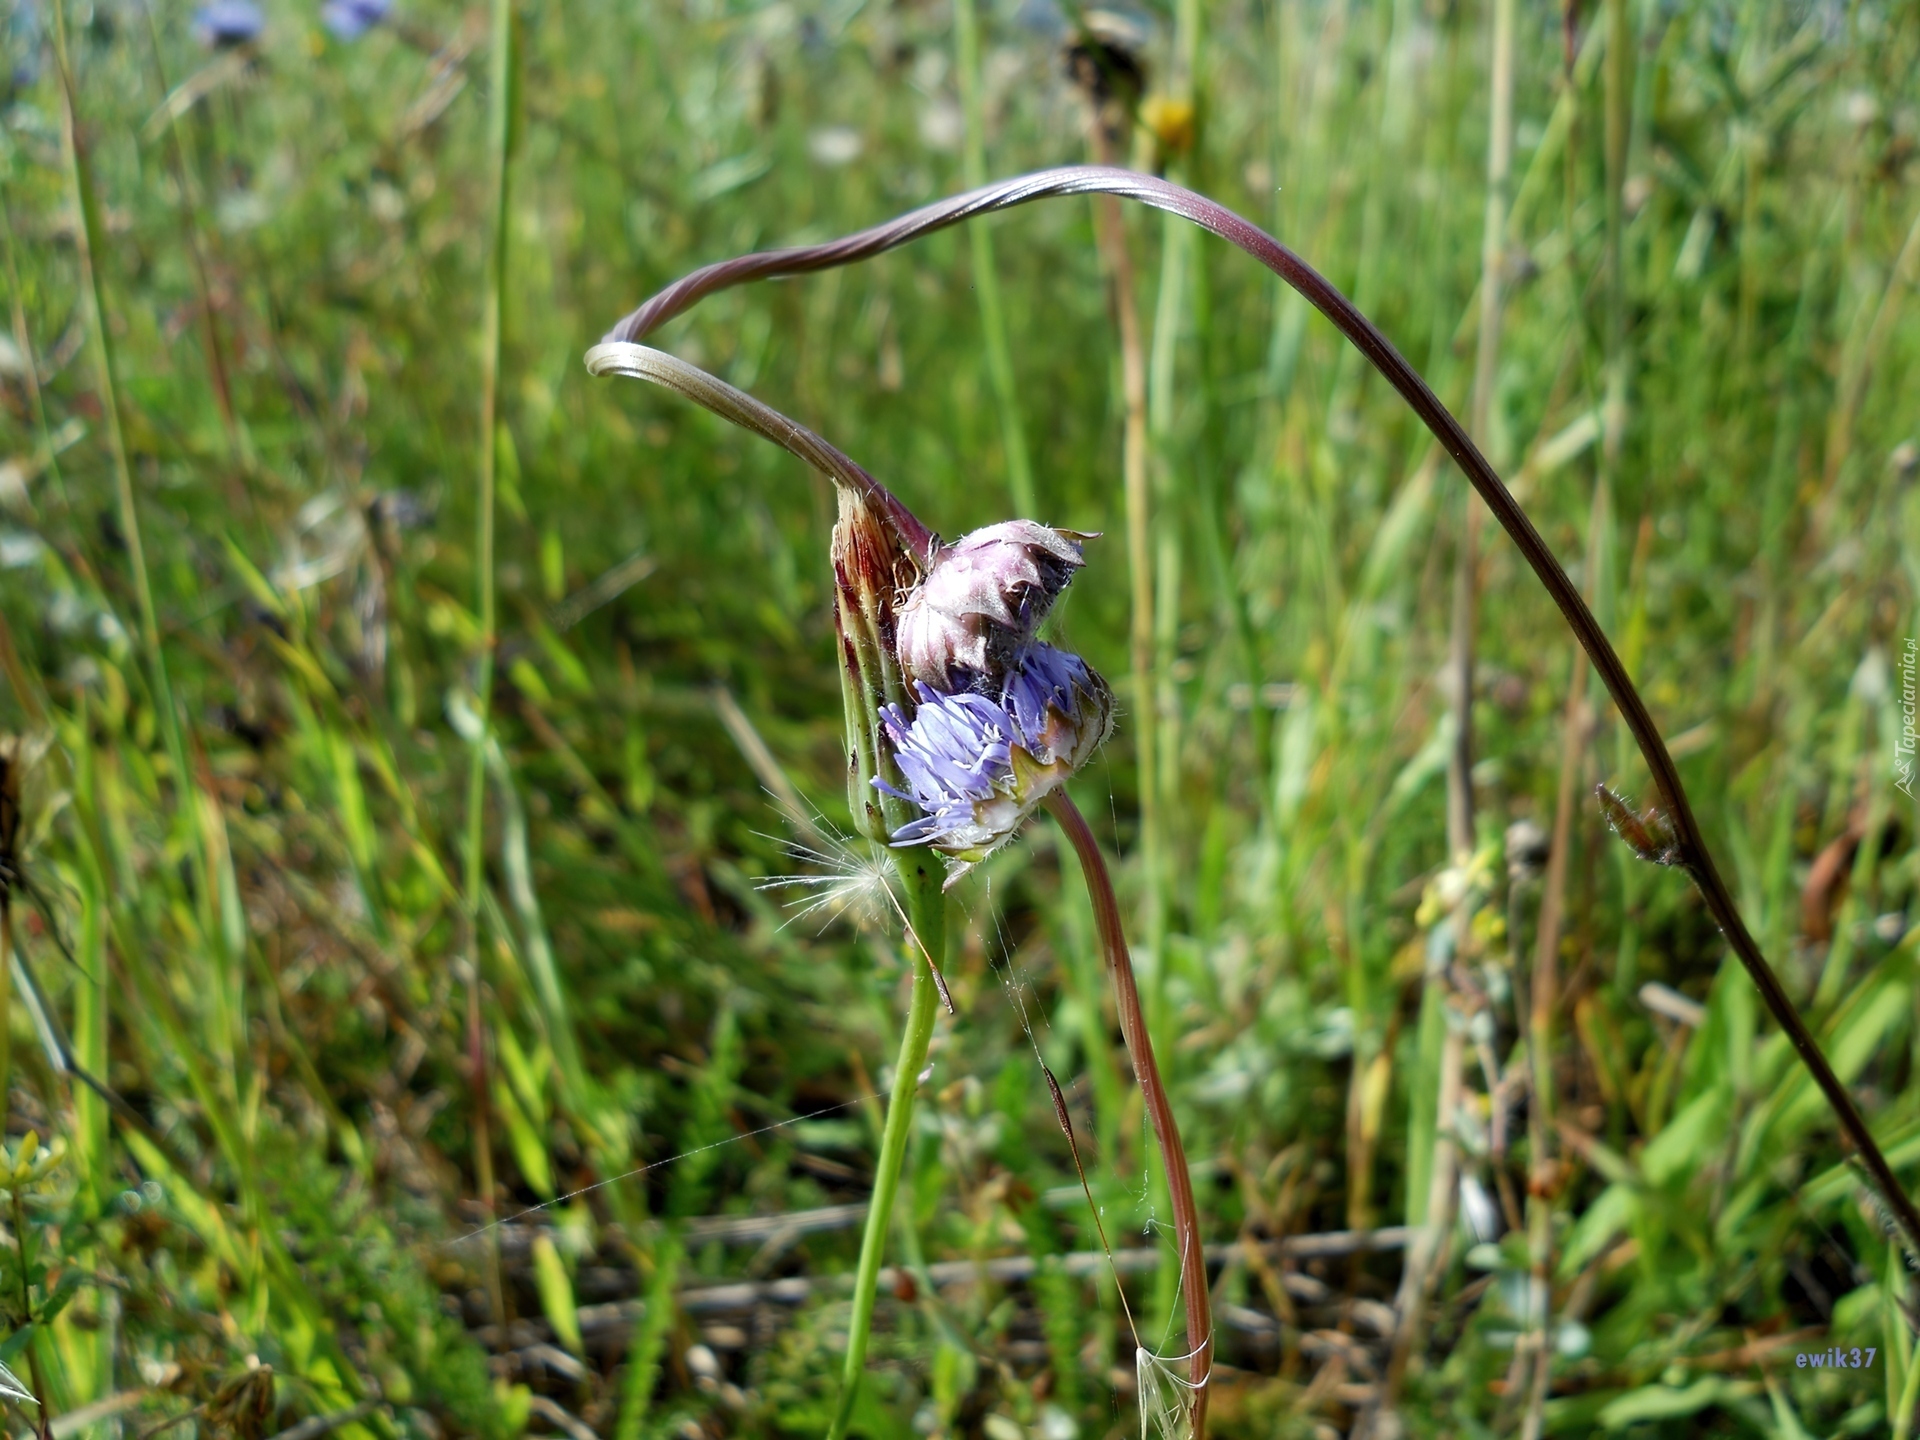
{"points": [[1133, 1028], [187, 184], [1691, 847]]}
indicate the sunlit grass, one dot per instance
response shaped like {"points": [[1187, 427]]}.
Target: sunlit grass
{"points": [[256, 935]]}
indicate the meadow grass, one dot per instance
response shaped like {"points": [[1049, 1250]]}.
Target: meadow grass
{"points": [[364, 947]]}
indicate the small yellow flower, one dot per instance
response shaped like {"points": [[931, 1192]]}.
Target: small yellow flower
{"points": [[1171, 121], [26, 1162]]}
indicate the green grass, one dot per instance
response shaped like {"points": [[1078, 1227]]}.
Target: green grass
{"points": [[255, 925]]}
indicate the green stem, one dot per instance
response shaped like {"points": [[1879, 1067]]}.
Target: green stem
{"points": [[87, 245], [6, 1007], [499, 137], [650, 1337], [926, 943], [986, 279], [499, 132], [30, 364], [43, 1423], [187, 183]]}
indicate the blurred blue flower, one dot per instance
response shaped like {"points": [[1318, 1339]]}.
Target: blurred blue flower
{"points": [[350, 19], [223, 24]]}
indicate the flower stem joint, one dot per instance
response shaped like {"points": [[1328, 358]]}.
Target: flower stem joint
{"points": [[996, 719]]}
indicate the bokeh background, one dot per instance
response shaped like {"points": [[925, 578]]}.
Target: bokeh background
{"points": [[250, 274]]}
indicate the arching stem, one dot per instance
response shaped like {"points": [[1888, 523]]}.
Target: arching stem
{"points": [[1690, 849]]}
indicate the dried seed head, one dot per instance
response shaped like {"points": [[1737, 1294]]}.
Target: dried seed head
{"points": [[983, 601], [1650, 834]]}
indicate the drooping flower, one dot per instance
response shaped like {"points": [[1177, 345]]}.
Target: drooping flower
{"points": [[223, 24], [983, 601], [350, 19], [977, 764]]}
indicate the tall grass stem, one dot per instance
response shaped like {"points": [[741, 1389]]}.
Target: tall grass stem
{"points": [[1422, 1256], [29, 360], [493, 309], [88, 247], [986, 277]]}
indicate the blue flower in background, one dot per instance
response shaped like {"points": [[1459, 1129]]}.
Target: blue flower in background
{"points": [[224, 24], [350, 19]]}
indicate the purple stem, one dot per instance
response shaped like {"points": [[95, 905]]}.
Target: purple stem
{"points": [[1133, 1028], [1690, 849]]}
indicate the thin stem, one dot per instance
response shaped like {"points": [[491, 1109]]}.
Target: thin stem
{"points": [[641, 362], [1692, 850], [6, 1009], [1576, 727], [1420, 1274], [187, 183], [483, 1146], [499, 138], [1117, 255], [986, 279], [1460, 833], [1544, 995], [44, 1423], [650, 1332], [30, 364], [926, 948], [1857, 369], [1133, 1028], [87, 245]]}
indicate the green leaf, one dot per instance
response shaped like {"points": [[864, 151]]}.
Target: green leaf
{"points": [[11, 1347], [556, 1292], [62, 1295], [1661, 1402]]}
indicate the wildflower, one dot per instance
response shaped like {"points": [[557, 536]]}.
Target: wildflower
{"points": [[350, 19], [983, 601], [978, 764], [223, 24]]}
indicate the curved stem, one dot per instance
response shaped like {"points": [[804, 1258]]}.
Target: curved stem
{"points": [[926, 943], [1691, 845], [639, 362], [1133, 1027]]}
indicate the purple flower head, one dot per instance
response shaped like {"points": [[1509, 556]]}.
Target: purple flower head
{"points": [[223, 24], [1061, 710], [977, 765], [350, 19], [956, 756], [983, 600]]}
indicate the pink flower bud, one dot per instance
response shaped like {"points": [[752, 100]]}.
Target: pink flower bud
{"points": [[983, 600]]}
